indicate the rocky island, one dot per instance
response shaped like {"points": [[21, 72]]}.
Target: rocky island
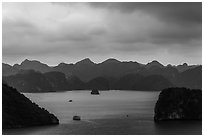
{"points": [[179, 104], [18, 111], [94, 92]]}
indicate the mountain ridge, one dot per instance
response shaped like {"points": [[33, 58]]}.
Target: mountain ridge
{"points": [[153, 61], [86, 69], [32, 81]]}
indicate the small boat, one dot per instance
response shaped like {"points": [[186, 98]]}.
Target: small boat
{"points": [[76, 118], [70, 100], [94, 92]]}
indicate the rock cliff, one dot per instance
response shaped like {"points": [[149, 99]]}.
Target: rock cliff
{"points": [[179, 104]]}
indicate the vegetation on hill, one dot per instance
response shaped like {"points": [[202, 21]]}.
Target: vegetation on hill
{"points": [[179, 104], [18, 111]]}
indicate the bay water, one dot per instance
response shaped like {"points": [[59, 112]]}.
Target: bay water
{"points": [[110, 113]]}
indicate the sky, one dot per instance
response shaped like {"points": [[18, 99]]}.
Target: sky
{"points": [[170, 33]]}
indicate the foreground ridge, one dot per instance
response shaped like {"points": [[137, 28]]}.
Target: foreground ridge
{"points": [[18, 111]]}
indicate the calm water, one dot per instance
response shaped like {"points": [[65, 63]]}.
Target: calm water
{"points": [[105, 114]]}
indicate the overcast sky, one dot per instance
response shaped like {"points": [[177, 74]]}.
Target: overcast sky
{"points": [[68, 32]]}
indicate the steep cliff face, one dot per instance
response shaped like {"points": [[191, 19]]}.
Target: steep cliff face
{"points": [[18, 111], [179, 104]]}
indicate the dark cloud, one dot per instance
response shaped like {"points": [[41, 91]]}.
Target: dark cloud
{"points": [[176, 34], [180, 22], [182, 12], [130, 30]]}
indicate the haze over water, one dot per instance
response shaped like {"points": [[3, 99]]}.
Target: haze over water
{"points": [[112, 112]]}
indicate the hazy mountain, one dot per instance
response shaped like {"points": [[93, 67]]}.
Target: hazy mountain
{"points": [[29, 81], [19, 111], [191, 78], [85, 62], [67, 69], [143, 83], [8, 70], [168, 72], [34, 65], [84, 69], [76, 83], [153, 64], [117, 69], [185, 67], [87, 70], [110, 74], [152, 83], [32, 81], [98, 83], [127, 81], [111, 61], [57, 80]]}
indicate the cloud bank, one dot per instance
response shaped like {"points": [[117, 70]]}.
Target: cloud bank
{"points": [[56, 32]]}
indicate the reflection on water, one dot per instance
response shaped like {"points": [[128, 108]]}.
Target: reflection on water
{"points": [[105, 114]]}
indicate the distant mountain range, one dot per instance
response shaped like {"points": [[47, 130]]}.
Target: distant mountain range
{"points": [[34, 76]]}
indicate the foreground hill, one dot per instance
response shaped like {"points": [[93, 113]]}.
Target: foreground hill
{"points": [[18, 111], [179, 104]]}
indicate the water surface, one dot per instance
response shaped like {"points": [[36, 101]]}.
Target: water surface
{"points": [[111, 112]]}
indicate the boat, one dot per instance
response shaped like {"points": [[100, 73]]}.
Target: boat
{"points": [[70, 100], [95, 92], [76, 118]]}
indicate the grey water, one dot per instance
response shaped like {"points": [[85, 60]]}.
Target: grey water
{"points": [[110, 113]]}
